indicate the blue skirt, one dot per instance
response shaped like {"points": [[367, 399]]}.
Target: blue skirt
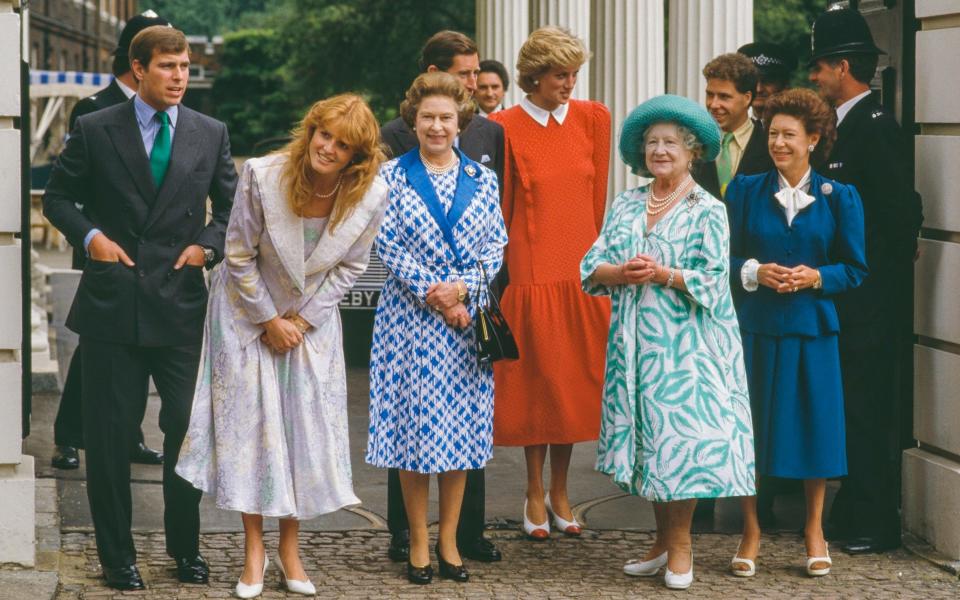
{"points": [[796, 396]]}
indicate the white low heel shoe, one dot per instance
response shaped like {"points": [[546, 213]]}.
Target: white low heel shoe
{"points": [[254, 589], [812, 560], [679, 581], [568, 527], [535, 532], [645, 568], [293, 585]]}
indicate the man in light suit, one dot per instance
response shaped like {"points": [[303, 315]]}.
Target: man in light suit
{"points": [[731, 87], [68, 426], [481, 141], [142, 170]]}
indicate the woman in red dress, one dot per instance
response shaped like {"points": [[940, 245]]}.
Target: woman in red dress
{"points": [[554, 194]]}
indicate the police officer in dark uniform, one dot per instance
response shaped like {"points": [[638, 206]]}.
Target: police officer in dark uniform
{"points": [[67, 428], [775, 64], [869, 153]]}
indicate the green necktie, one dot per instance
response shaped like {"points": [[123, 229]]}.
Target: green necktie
{"points": [[160, 155], [725, 164]]}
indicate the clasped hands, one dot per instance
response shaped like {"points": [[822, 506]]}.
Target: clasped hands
{"points": [[282, 334], [444, 297], [104, 249], [786, 280], [639, 270]]}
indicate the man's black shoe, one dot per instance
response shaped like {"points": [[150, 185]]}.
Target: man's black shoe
{"points": [[399, 550], [66, 458], [479, 548], [145, 456], [124, 578], [871, 545], [193, 570]]}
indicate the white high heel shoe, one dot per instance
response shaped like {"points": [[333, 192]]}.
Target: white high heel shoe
{"points": [[679, 581], [737, 560], [812, 560], [535, 532], [568, 527], [254, 589], [294, 585], [646, 568]]}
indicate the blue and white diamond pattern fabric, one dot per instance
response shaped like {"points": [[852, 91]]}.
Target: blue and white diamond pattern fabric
{"points": [[431, 405]]}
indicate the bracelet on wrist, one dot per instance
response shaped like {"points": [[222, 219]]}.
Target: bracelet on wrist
{"points": [[670, 278]]}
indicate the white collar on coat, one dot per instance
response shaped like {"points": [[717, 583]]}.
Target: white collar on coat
{"points": [[542, 115], [286, 228]]}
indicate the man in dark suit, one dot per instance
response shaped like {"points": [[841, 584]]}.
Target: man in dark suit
{"points": [[869, 153], [142, 171], [482, 141], [68, 426], [731, 86]]}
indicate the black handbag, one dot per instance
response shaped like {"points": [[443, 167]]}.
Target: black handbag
{"points": [[494, 338]]}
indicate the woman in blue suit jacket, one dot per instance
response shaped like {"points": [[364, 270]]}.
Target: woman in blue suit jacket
{"points": [[796, 240]]}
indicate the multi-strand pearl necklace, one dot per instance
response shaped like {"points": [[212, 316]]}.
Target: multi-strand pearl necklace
{"points": [[655, 205], [438, 170], [335, 188]]}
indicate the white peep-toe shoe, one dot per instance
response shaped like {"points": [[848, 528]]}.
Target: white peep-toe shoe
{"points": [[751, 569], [535, 532], [254, 589], [294, 585], [679, 581], [646, 568], [812, 560], [568, 527]]}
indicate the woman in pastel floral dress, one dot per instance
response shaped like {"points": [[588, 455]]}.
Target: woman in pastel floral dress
{"points": [[268, 431], [676, 416]]}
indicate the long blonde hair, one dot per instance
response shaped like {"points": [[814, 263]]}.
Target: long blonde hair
{"points": [[349, 119]]}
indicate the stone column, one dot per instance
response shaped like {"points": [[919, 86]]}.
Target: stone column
{"points": [[573, 15], [700, 31], [502, 27], [931, 472], [17, 518], [628, 67]]}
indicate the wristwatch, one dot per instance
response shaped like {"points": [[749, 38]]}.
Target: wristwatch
{"points": [[461, 291], [208, 257], [818, 284]]}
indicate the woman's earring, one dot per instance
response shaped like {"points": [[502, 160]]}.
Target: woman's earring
{"points": [[536, 82], [811, 147]]}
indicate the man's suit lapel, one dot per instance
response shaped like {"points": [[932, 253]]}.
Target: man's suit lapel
{"points": [[755, 155], [183, 156], [127, 141]]}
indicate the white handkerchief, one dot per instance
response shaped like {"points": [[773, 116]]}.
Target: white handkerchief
{"points": [[485, 158], [794, 199]]}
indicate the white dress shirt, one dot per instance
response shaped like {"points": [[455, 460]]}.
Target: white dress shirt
{"points": [[844, 108]]}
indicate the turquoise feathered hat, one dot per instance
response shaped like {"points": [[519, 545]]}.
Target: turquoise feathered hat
{"points": [[667, 108]]}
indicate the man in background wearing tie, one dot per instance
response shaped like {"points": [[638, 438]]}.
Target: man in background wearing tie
{"points": [[731, 86], [68, 427], [142, 171]]}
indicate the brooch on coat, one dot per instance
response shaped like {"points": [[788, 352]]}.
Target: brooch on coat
{"points": [[471, 170], [826, 189]]}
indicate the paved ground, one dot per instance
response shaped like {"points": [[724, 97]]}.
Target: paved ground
{"points": [[345, 552], [352, 565]]}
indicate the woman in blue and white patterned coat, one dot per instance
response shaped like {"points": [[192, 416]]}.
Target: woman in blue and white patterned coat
{"points": [[431, 403]]}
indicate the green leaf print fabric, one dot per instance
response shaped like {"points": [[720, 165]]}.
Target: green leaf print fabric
{"points": [[676, 414]]}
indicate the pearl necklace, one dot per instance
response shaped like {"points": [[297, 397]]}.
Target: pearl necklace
{"points": [[655, 205], [335, 188], [438, 170]]}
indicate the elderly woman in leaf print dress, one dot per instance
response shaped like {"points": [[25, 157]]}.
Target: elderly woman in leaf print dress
{"points": [[676, 416]]}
